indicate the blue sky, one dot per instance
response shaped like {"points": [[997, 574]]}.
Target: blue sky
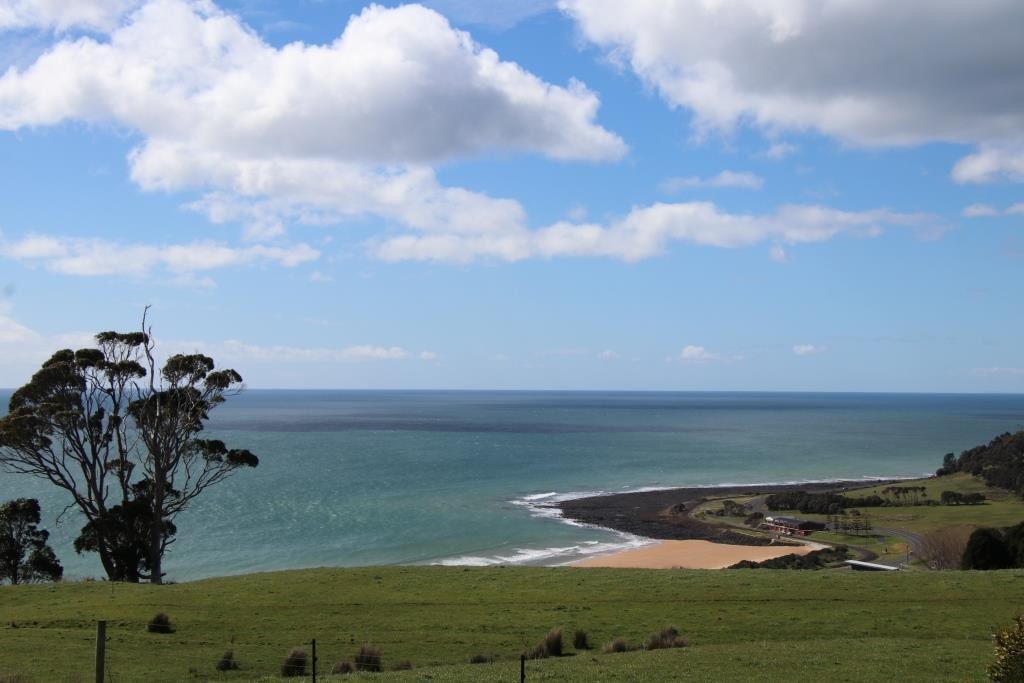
{"points": [[588, 194]]}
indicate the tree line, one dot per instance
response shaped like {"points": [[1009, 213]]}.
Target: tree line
{"points": [[121, 436], [999, 463]]}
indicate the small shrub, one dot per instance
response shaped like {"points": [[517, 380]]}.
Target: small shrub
{"points": [[404, 666], [480, 659], [343, 668], [553, 643], [667, 638], [536, 652], [1009, 663], [294, 663], [227, 661], [368, 658], [618, 645], [579, 640], [160, 623]]}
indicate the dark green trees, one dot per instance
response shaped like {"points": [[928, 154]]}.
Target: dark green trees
{"points": [[121, 436], [986, 549], [24, 555]]}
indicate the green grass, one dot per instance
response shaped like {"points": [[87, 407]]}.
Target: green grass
{"points": [[1002, 509], [762, 625]]}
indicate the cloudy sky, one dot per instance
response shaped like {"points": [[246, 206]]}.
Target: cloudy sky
{"points": [[581, 194]]}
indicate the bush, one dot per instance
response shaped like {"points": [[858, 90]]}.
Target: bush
{"points": [[227, 661], [369, 658], [986, 549], [160, 623], [480, 659], [580, 641], [343, 668], [618, 645], [667, 638], [1009, 663], [294, 663]]}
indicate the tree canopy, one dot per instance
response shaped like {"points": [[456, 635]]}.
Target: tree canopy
{"points": [[25, 556]]}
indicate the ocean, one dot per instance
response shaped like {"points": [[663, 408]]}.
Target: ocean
{"points": [[352, 478]]}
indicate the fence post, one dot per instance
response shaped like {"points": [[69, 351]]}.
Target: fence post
{"points": [[313, 643], [101, 649], [522, 668]]}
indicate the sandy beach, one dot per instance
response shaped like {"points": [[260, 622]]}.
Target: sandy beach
{"points": [[692, 554]]}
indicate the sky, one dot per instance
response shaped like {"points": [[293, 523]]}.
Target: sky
{"points": [[791, 195]]}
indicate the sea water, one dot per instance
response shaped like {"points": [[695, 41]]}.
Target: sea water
{"points": [[404, 477]]}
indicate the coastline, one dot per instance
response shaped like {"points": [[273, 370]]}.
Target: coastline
{"points": [[677, 539]]}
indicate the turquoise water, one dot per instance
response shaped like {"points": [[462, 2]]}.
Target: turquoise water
{"points": [[358, 478]]}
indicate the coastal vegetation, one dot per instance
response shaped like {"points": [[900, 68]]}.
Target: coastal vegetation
{"points": [[25, 556], [824, 625], [120, 435]]}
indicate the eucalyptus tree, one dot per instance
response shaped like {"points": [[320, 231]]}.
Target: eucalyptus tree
{"points": [[121, 436]]}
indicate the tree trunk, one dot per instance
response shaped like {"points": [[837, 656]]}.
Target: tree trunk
{"points": [[156, 536]]}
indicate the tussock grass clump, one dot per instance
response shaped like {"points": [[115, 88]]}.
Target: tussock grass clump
{"points": [[618, 645], [667, 638], [295, 663], [344, 667], [227, 661], [481, 659], [369, 658], [160, 623], [580, 640], [551, 646]]}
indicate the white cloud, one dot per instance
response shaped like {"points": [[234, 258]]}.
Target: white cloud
{"points": [[870, 72], [744, 180], [429, 355], [11, 331], [648, 231], [62, 15], [778, 253], [235, 349], [1016, 209], [95, 257], [317, 276], [693, 353], [991, 163], [807, 350], [311, 133], [779, 150], [607, 354], [999, 372], [980, 211]]}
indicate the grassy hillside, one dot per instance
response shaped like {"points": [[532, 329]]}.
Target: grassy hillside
{"points": [[743, 624]]}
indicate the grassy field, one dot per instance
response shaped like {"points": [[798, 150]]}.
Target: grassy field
{"points": [[1002, 509], [743, 625]]}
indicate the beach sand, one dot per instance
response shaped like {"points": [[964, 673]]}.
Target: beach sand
{"points": [[692, 555]]}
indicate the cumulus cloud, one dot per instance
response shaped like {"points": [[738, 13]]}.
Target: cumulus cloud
{"points": [[313, 133], [648, 231], [607, 354], [807, 350], [779, 150], [63, 15], [872, 72], [991, 163], [980, 211], [778, 253], [744, 180], [1016, 209], [95, 257]]}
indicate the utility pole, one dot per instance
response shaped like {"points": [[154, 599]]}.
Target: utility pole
{"points": [[101, 649], [522, 668], [313, 644]]}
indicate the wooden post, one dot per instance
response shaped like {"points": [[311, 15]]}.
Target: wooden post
{"points": [[101, 649], [522, 668], [313, 643]]}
